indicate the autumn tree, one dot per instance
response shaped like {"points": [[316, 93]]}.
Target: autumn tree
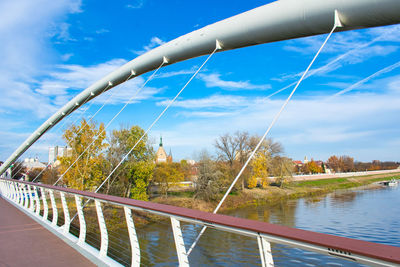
{"points": [[235, 149], [87, 141], [282, 169], [208, 183], [259, 170], [167, 175], [312, 167], [134, 174], [49, 176], [347, 163], [333, 163]]}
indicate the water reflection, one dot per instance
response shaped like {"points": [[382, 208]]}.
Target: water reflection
{"points": [[370, 215]]}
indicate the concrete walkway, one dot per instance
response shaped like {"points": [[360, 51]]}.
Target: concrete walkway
{"points": [[24, 242]]}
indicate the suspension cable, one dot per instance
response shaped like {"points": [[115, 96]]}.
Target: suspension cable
{"points": [[116, 115], [157, 119], [263, 137], [218, 47]]}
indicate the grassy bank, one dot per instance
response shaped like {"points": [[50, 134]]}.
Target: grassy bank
{"points": [[274, 194]]}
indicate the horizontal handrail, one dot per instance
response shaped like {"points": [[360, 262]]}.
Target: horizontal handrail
{"points": [[334, 245]]}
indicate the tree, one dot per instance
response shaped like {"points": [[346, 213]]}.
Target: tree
{"points": [[235, 150], [282, 169], [49, 176], [167, 175], [347, 163], [259, 166], [134, 174], [333, 163], [208, 183], [312, 167], [87, 172]]}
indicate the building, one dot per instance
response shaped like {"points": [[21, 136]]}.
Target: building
{"points": [[161, 155], [58, 151], [33, 163]]}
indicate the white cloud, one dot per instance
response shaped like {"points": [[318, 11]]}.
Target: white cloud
{"points": [[215, 101], [372, 76], [154, 42], [311, 125], [214, 80], [136, 4], [351, 48], [102, 31]]}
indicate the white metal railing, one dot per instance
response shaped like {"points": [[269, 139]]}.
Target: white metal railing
{"points": [[25, 195]]}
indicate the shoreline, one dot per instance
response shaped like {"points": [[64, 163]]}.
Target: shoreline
{"points": [[273, 194]]}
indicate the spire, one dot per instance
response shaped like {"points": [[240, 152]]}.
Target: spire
{"points": [[160, 141], [170, 153]]}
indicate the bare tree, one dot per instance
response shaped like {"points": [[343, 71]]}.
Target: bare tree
{"points": [[208, 183]]}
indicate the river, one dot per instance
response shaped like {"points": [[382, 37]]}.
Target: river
{"points": [[365, 214]]}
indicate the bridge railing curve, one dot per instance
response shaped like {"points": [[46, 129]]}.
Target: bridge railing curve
{"points": [[33, 199]]}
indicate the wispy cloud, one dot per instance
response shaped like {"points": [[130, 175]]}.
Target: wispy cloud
{"points": [[214, 101], [102, 31], [214, 80], [136, 4], [351, 47], [154, 42], [372, 76]]}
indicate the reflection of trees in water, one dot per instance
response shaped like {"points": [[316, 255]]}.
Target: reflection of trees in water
{"points": [[343, 197], [284, 213]]}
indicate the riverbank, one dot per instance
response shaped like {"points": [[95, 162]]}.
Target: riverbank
{"points": [[274, 194]]}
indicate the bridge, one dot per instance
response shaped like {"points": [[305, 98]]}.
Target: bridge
{"points": [[59, 209]]}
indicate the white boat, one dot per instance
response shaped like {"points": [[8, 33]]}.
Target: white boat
{"points": [[393, 182]]}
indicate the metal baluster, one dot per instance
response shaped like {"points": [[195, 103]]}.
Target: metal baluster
{"points": [[37, 200], [67, 220], [21, 196], [133, 238], [45, 206], [265, 252], [31, 203], [103, 230], [25, 197], [54, 207], [82, 223], [15, 190], [179, 243]]}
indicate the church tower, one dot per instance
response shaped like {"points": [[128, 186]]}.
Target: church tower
{"points": [[161, 155]]}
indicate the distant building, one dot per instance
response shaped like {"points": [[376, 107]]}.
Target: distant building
{"points": [[306, 160], [161, 155], [33, 163], [58, 151]]}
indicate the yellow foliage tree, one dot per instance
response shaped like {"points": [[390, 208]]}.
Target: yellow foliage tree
{"points": [[87, 172], [259, 171]]}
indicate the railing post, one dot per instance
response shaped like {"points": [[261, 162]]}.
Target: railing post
{"points": [[265, 252], [31, 203], [82, 223], [37, 200], [54, 207], [25, 196], [45, 206], [103, 230], [15, 192], [133, 238], [179, 243], [67, 220]]}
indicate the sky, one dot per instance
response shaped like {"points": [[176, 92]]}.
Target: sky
{"points": [[51, 50]]}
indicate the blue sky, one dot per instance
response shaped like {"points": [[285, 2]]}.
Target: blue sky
{"points": [[50, 50]]}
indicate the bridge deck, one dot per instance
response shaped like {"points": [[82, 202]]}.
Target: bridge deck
{"points": [[24, 242]]}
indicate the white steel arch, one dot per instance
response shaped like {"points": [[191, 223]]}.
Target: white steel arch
{"points": [[277, 21]]}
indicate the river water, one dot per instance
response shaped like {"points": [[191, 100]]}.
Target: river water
{"points": [[365, 214]]}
